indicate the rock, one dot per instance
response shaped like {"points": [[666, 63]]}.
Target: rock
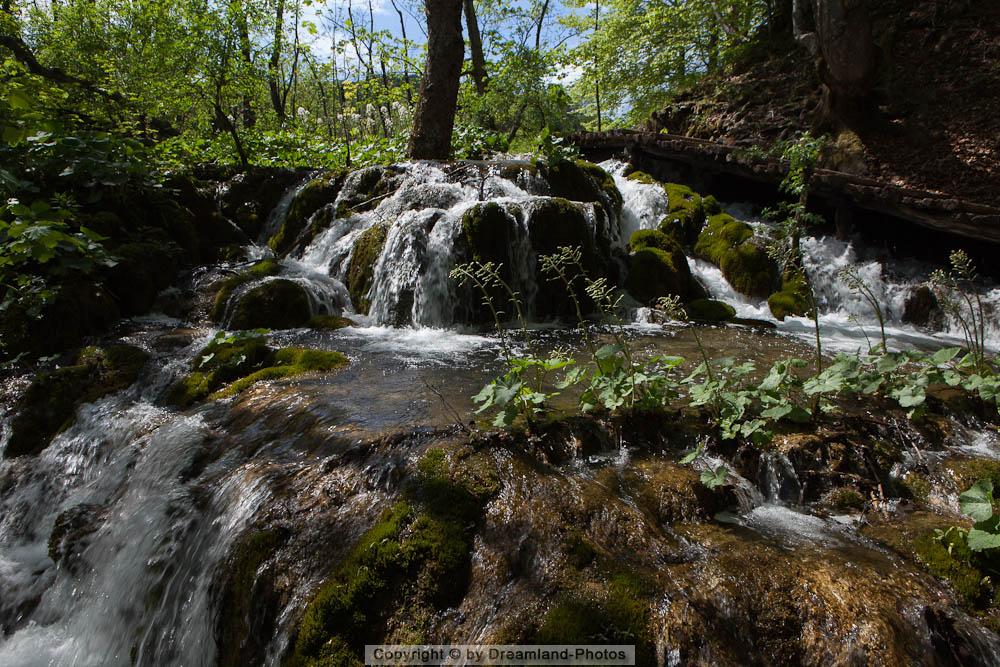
{"points": [[658, 268], [52, 398], [315, 195], [364, 188], [554, 223], [232, 363], [794, 298], [729, 244], [274, 304], [709, 310], [582, 181], [262, 269], [330, 322], [361, 270], [68, 539], [922, 308]]}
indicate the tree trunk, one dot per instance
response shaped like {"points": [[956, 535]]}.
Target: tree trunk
{"points": [[435, 115], [272, 69], [475, 47], [848, 61]]}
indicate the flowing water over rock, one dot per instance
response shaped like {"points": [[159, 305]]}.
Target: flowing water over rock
{"points": [[148, 534]]}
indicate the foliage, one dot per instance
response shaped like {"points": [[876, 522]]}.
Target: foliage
{"points": [[957, 294]]}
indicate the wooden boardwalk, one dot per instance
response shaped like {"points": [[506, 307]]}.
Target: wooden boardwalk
{"points": [[928, 209]]}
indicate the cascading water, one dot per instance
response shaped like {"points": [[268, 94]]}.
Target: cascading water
{"points": [[847, 320]]}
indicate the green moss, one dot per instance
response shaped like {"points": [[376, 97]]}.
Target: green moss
{"points": [[52, 398], [579, 551], [330, 322], [711, 205], [794, 297], [286, 362], [642, 177], [240, 361], [412, 562], [950, 560], [275, 304], [618, 615], [361, 271], [238, 605], [654, 273], [728, 243], [489, 232], [262, 269], [652, 238], [685, 210], [845, 498], [709, 310], [555, 223], [583, 181], [311, 198], [917, 485], [967, 472]]}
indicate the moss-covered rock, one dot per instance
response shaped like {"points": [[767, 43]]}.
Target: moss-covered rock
{"points": [[51, 400], [657, 268], [729, 244], [311, 198], [274, 304], [685, 212], [556, 223], [365, 188], [793, 299], [361, 270], [709, 310], [231, 363], [415, 559], [262, 269], [618, 614], [582, 181], [247, 607], [330, 322], [488, 233]]}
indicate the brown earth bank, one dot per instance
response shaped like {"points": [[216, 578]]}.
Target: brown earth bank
{"points": [[934, 125]]}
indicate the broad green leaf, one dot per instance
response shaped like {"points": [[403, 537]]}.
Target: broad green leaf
{"points": [[977, 502]]}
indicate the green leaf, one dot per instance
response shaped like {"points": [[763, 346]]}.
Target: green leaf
{"points": [[944, 355], [981, 540], [977, 502], [716, 477]]}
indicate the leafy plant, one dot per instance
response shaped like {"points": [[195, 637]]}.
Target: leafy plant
{"points": [[957, 294], [851, 277], [977, 503]]}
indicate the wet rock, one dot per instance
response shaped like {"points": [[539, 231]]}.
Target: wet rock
{"points": [[310, 199], [730, 244], [685, 209], [68, 539], [582, 181], [658, 268], [793, 299], [330, 322], [274, 304], [50, 402], [231, 363], [361, 270], [262, 269], [248, 600], [709, 310], [922, 308]]}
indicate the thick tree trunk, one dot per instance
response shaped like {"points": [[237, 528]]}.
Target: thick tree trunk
{"points": [[435, 114], [273, 65], [848, 61]]}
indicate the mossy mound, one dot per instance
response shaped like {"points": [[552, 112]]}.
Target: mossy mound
{"points": [[685, 212], [579, 180], [242, 359], [413, 561], [274, 304], [247, 610], [555, 223], [618, 614], [709, 310], [262, 269], [729, 244], [657, 268], [311, 198], [793, 299], [330, 322], [50, 402], [488, 232], [361, 270]]}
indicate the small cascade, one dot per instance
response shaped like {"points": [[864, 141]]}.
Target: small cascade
{"points": [[277, 215], [778, 479], [644, 205]]}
